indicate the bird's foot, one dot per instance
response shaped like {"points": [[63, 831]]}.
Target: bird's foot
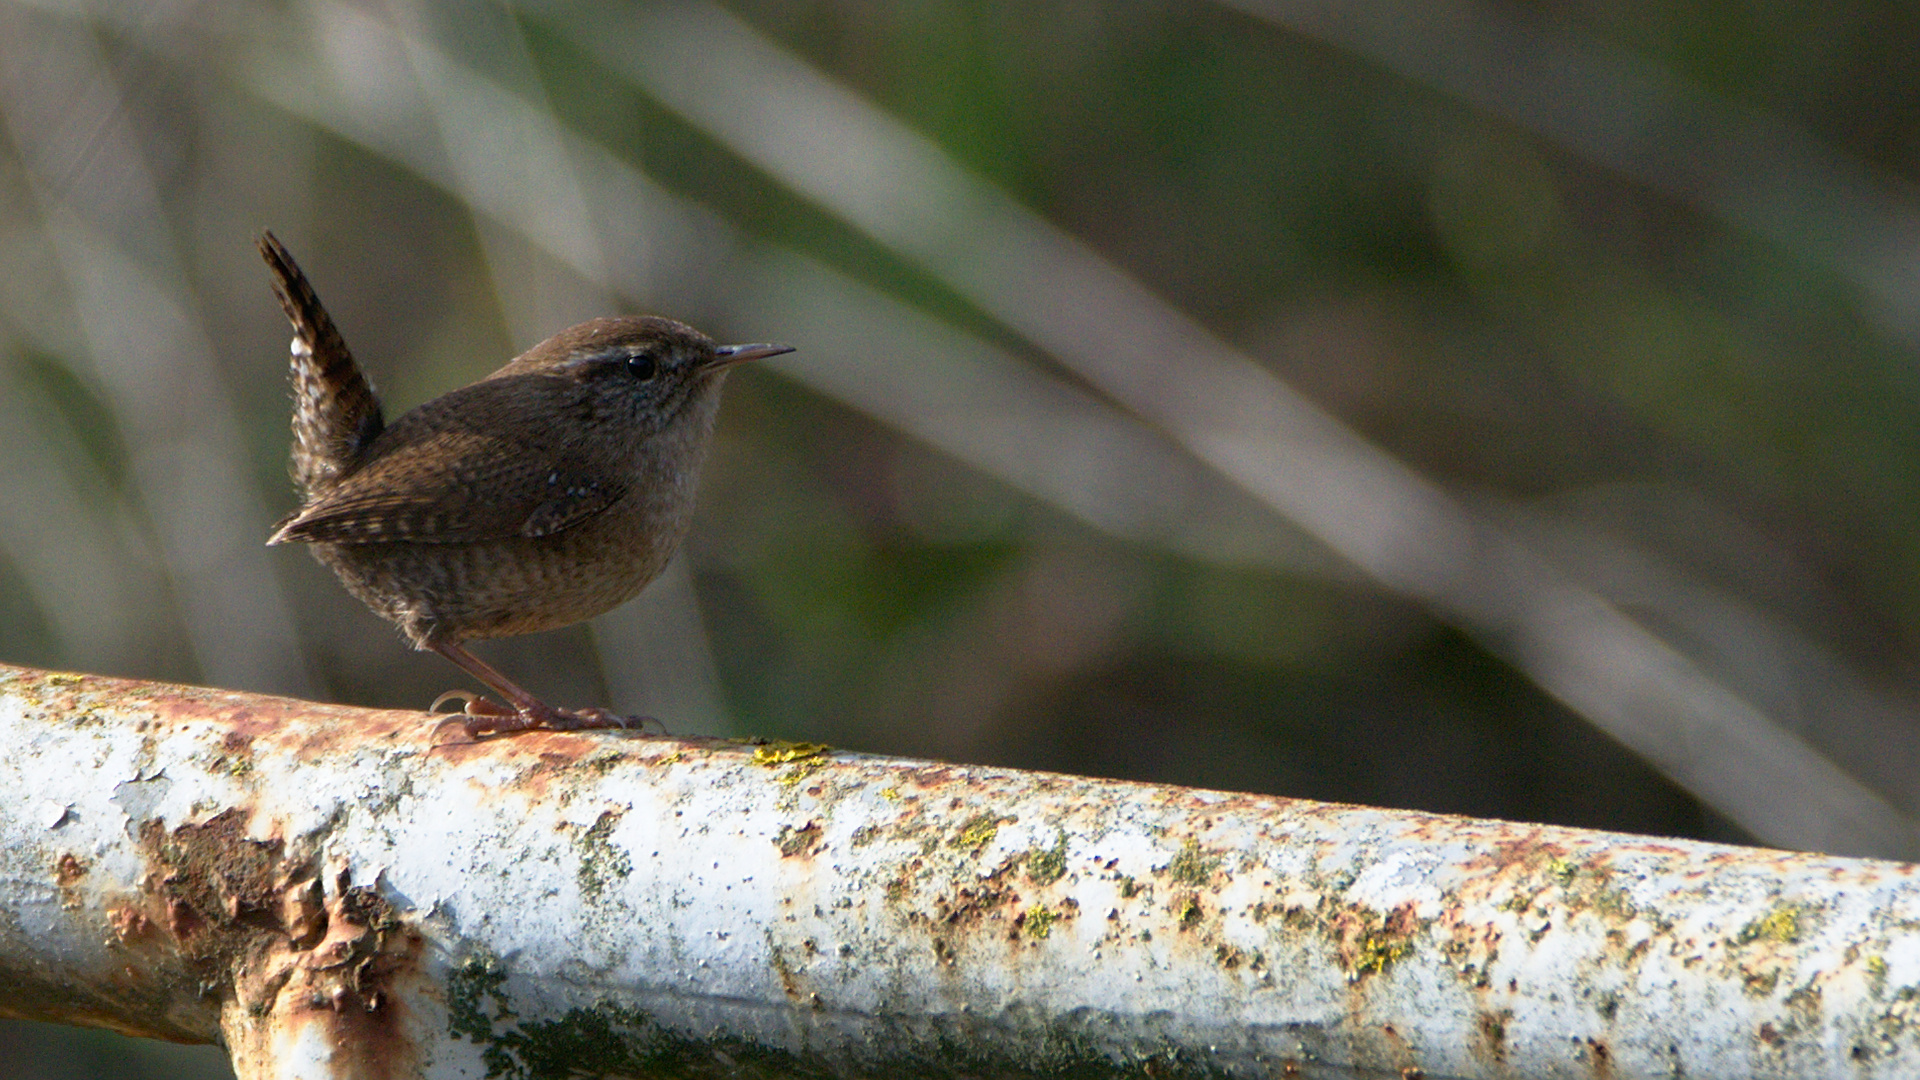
{"points": [[474, 710], [482, 716]]}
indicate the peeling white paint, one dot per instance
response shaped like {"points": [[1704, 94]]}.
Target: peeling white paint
{"points": [[859, 915]]}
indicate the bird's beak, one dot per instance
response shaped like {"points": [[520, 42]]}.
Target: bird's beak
{"points": [[725, 356]]}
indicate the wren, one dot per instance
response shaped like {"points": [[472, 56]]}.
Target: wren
{"points": [[548, 492]]}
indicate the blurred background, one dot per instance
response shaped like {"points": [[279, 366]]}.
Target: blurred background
{"points": [[1481, 408]]}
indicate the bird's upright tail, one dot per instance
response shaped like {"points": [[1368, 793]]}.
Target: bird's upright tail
{"points": [[335, 413]]}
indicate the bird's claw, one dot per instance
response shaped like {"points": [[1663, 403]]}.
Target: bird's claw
{"points": [[482, 716], [471, 704]]}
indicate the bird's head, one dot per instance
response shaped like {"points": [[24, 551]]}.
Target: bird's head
{"points": [[644, 368]]}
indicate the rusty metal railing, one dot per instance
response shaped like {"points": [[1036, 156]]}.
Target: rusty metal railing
{"points": [[327, 893]]}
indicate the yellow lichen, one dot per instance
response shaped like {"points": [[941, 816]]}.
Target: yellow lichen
{"points": [[1186, 910], [1038, 921], [800, 771], [801, 758], [1194, 865], [1375, 952], [1369, 941], [781, 752], [1782, 925], [978, 831], [1048, 865]]}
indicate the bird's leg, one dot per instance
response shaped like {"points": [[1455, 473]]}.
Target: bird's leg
{"points": [[528, 713]]}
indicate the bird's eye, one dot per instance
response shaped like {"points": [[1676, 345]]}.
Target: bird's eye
{"points": [[642, 366]]}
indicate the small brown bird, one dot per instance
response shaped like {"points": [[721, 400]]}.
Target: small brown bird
{"points": [[548, 492]]}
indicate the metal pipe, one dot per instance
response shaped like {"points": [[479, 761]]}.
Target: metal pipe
{"points": [[328, 893]]}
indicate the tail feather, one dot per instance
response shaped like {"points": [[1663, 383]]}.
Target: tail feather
{"points": [[336, 415]]}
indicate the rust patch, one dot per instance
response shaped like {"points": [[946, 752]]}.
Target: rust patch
{"points": [[804, 840], [303, 912], [1531, 852], [259, 724], [213, 873], [984, 907], [1601, 1059], [1368, 942], [304, 728], [68, 869], [969, 906], [964, 912], [535, 779], [256, 927], [1490, 1036], [346, 983], [129, 923]]}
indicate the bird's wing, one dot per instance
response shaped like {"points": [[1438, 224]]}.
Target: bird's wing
{"points": [[455, 487]]}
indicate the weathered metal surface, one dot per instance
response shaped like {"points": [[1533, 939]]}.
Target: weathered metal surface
{"points": [[332, 895]]}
